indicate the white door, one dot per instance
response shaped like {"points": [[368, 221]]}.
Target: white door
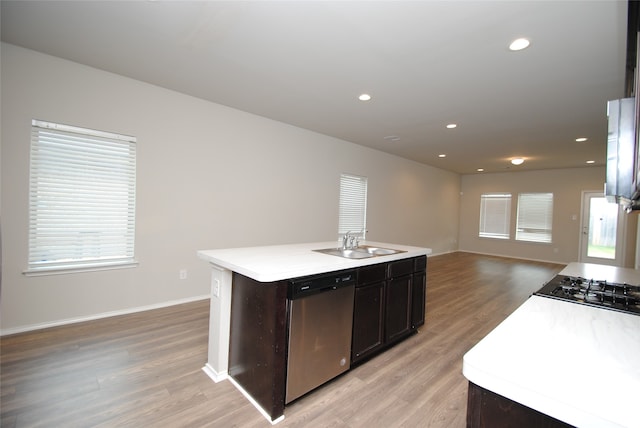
{"points": [[601, 239]]}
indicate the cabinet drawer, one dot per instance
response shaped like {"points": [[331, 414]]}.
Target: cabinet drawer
{"points": [[400, 268], [373, 273], [420, 264]]}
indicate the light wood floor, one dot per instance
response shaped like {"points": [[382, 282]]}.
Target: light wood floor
{"points": [[144, 370]]}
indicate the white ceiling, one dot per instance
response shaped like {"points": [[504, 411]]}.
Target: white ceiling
{"points": [[425, 63]]}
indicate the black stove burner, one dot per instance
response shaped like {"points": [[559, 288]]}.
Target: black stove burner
{"points": [[609, 295]]}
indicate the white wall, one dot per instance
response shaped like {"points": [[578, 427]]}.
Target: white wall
{"points": [[566, 185], [208, 177]]}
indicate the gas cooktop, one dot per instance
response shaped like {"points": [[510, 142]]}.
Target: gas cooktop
{"points": [[602, 294]]}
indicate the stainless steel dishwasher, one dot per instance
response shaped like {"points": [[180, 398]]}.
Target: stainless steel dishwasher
{"points": [[320, 326]]}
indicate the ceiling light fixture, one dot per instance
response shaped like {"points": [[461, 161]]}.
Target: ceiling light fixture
{"points": [[480, 169], [442, 155], [451, 126], [364, 97], [519, 44], [517, 161], [581, 139], [591, 161]]}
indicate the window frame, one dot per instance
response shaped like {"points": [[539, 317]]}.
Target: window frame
{"points": [[485, 198], [82, 200], [352, 206], [539, 221]]}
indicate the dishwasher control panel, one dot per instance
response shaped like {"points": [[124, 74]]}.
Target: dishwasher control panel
{"points": [[310, 285]]}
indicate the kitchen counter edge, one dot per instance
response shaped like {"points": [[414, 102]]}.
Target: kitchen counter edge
{"points": [[544, 353], [279, 262]]}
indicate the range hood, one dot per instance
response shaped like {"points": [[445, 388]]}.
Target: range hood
{"points": [[622, 186]]}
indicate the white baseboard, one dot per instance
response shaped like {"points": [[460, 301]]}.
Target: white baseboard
{"points": [[555, 262], [213, 374], [254, 402], [442, 253], [57, 323]]}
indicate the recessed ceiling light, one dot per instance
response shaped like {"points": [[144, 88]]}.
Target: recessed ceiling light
{"points": [[442, 155], [591, 161], [480, 169], [519, 44], [392, 138], [581, 139], [451, 126], [364, 97], [517, 161]]}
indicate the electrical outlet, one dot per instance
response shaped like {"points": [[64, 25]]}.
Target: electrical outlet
{"points": [[216, 288], [183, 274]]}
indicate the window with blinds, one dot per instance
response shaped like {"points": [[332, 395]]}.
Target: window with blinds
{"points": [[495, 215], [535, 214], [81, 199], [353, 205]]}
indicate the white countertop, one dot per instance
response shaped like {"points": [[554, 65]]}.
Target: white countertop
{"points": [[602, 272], [576, 363], [274, 263]]}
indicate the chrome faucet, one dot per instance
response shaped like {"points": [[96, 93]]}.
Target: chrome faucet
{"points": [[349, 241], [345, 240]]}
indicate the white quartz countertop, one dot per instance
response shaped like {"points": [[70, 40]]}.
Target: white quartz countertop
{"points": [[602, 272], [274, 263], [576, 363]]}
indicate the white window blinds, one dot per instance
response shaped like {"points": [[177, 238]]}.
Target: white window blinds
{"points": [[353, 205], [82, 198], [495, 215], [535, 214]]}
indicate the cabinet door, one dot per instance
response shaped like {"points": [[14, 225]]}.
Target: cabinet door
{"points": [[398, 311], [418, 298], [367, 320]]}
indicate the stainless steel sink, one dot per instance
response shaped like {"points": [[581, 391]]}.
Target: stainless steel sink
{"points": [[349, 254], [379, 251], [360, 252]]}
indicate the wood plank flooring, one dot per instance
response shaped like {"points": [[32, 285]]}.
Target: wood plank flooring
{"points": [[144, 369]]}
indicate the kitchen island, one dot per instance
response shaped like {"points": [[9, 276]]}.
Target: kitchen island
{"points": [[257, 278], [558, 363]]}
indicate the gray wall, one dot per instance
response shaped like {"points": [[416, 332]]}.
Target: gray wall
{"points": [[566, 185], [208, 177]]}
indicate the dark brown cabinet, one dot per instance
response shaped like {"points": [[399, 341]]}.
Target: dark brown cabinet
{"points": [[419, 292], [368, 311], [398, 312], [257, 342], [368, 320], [486, 409], [418, 299], [389, 304]]}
